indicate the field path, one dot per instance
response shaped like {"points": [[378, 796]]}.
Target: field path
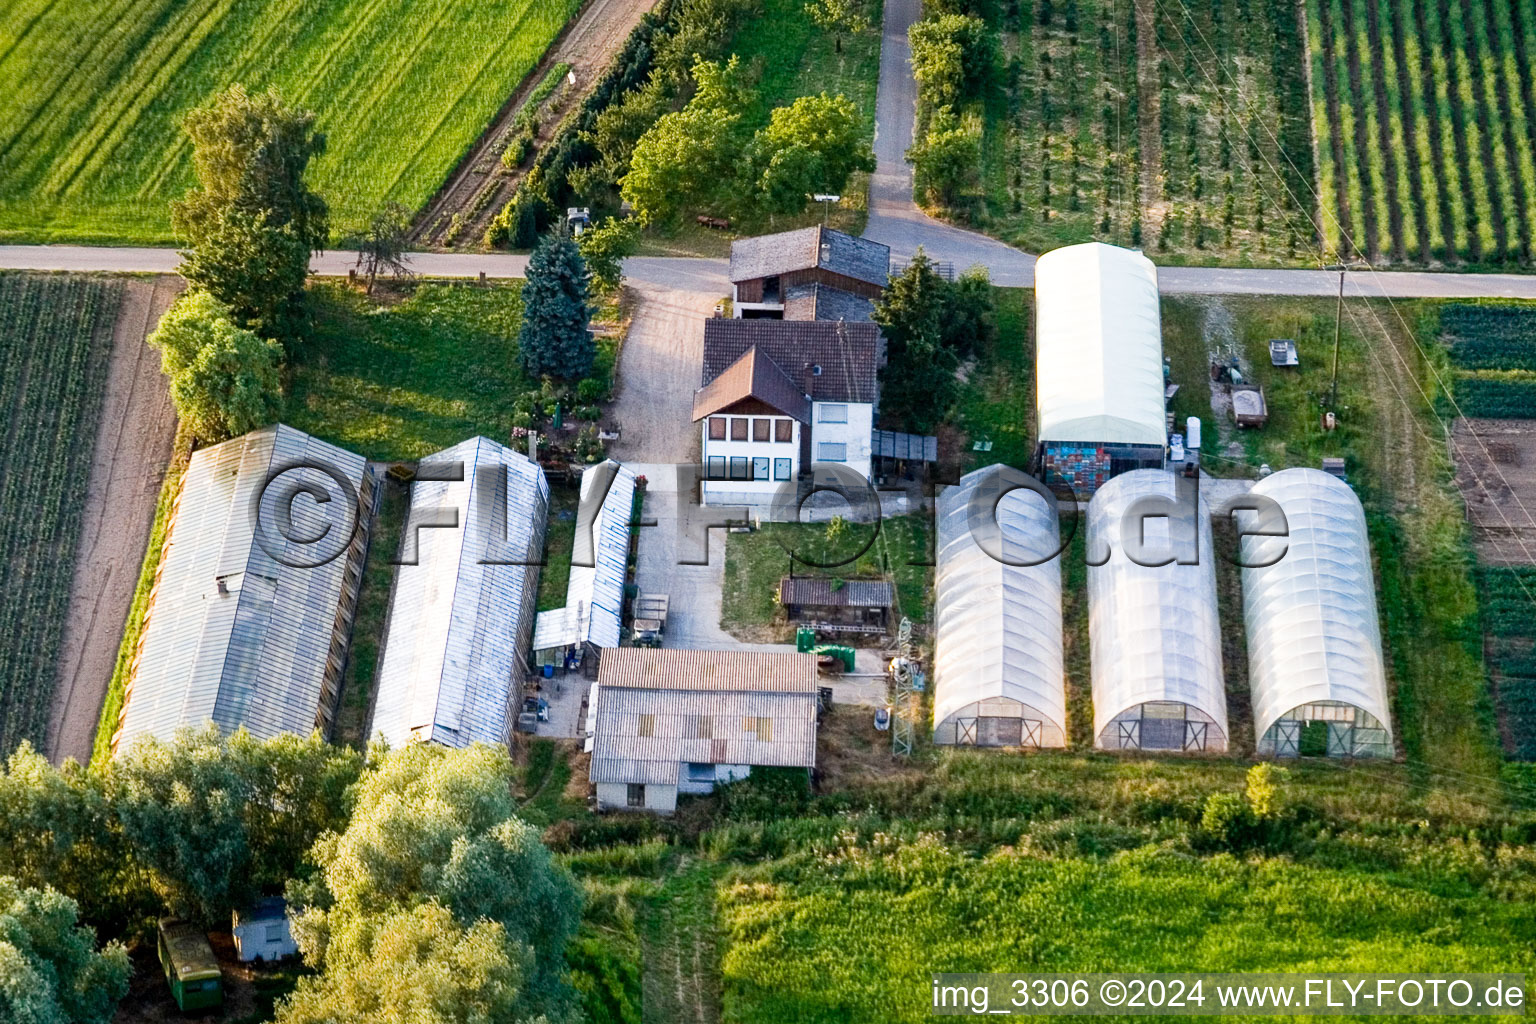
{"points": [[478, 186], [132, 447]]}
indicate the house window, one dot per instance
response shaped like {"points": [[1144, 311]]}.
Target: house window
{"points": [[783, 430], [647, 725], [760, 429], [781, 468], [831, 451], [834, 413], [717, 467], [704, 727], [717, 428], [701, 771], [738, 428], [741, 467], [634, 794], [759, 469], [274, 934]]}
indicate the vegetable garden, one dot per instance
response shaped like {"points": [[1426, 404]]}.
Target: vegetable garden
{"points": [[55, 335], [1492, 348], [1509, 631], [91, 146], [1424, 115]]}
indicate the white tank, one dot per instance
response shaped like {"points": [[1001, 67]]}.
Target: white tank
{"points": [[1192, 433]]}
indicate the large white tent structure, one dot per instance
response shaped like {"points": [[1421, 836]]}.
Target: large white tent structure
{"points": [[1098, 364], [464, 602], [998, 672], [1154, 635], [249, 618], [1314, 642]]}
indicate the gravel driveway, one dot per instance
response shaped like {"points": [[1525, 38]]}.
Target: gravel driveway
{"points": [[658, 373]]}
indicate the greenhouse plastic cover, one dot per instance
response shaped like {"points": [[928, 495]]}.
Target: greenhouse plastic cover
{"points": [[998, 626], [459, 626], [1153, 630], [254, 654], [1098, 346], [1313, 634]]}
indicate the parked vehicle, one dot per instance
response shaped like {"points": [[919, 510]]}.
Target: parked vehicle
{"points": [[650, 619], [190, 968]]}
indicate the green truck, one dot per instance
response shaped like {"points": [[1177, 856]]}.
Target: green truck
{"points": [[190, 968]]}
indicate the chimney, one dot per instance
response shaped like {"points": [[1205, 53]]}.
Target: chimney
{"points": [[223, 585], [807, 371], [533, 446]]}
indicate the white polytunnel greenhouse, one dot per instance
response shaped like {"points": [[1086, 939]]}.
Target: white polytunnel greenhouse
{"points": [[594, 595], [1098, 365], [463, 609], [1154, 635], [1314, 642], [997, 664], [252, 606]]}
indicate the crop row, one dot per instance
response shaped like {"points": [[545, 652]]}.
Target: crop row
{"points": [[1490, 336], [1424, 124], [91, 144], [1508, 606], [54, 334]]}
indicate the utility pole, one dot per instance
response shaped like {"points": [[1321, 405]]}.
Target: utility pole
{"points": [[1338, 322]]}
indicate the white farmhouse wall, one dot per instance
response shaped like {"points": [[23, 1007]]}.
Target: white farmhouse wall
{"points": [[854, 435], [736, 492]]}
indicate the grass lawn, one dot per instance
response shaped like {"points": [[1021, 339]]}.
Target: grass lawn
{"points": [[756, 561], [55, 341], [997, 403], [559, 537], [91, 147], [406, 380]]}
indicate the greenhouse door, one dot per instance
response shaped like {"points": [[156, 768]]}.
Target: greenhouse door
{"points": [[965, 731], [1194, 735], [1031, 733]]}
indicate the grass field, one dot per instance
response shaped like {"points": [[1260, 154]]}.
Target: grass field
{"points": [[90, 143], [1424, 118], [55, 337], [1176, 128]]}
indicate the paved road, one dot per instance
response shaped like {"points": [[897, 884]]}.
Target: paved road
{"points": [[1010, 267]]}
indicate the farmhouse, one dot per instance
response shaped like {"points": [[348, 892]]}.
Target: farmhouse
{"points": [[1154, 637], [1314, 642], [665, 722], [1098, 365], [791, 275], [998, 663], [779, 395], [463, 609], [251, 629], [594, 595]]}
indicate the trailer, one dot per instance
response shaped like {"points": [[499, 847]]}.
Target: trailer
{"points": [[649, 622], [190, 968]]}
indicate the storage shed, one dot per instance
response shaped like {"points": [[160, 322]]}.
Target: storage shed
{"points": [[1153, 631], [998, 676], [249, 627], [1314, 641], [666, 722], [838, 606], [463, 611], [261, 931], [1098, 365]]}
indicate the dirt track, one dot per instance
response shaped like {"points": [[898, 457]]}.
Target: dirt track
{"points": [[133, 445], [479, 186]]}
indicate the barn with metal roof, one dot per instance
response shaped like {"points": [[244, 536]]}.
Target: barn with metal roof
{"points": [[1314, 641], [997, 665], [250, 616], [668, 722], [1098, 365], [463, 610], [1153, 630]]}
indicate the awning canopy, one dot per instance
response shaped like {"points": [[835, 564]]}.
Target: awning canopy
{"points": [[889, 444]]}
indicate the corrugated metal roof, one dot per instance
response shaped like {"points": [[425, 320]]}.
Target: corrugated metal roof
{"points": [[597, 591], [852, 594], [698, 727], [462, 619], [253, 654], [804, 248], [557, 627], [724, 671]]}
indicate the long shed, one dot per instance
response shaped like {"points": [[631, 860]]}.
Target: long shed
{"points": [[249, 621], [462, 616]]}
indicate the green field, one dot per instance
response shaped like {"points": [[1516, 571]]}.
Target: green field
{"points": [[1424, 118], [91, 147], [55, 338]]}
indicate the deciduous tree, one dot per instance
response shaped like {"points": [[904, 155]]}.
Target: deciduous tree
{"points": [[947, 160], [605, 247], [812, 145], [382, 247], [224, 379], [50, 969]]}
